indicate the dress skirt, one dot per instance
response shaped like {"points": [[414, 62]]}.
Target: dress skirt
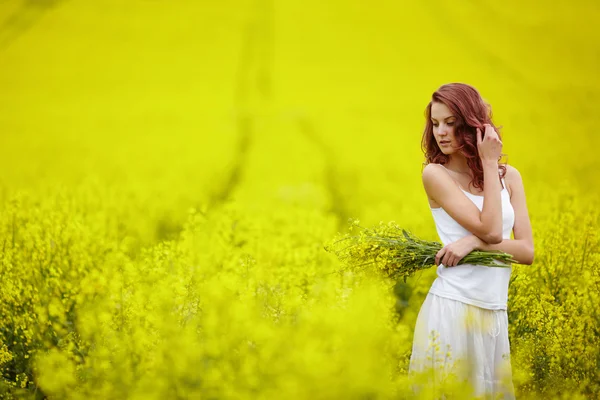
{"points": [[455, 339]]}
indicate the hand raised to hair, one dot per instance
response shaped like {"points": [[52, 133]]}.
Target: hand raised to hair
{"points": [[490, 146]]}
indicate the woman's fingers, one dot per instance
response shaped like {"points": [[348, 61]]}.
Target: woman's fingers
{"points": [[446, 259], [450, 261], [439, 255], [490, 132], [490, 147]]}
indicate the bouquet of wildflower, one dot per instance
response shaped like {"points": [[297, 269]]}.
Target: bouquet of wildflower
{"points": [[397, 253]]}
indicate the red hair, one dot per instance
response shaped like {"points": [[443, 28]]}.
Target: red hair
{"points": [[471, 112]]}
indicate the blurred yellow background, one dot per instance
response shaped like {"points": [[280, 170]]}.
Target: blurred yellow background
{"points": [[146, 89]]}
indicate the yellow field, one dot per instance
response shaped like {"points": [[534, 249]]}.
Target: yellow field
{"points": [[172, 170]]}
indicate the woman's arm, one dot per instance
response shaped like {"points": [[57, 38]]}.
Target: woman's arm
{"points": [[521, 247]]}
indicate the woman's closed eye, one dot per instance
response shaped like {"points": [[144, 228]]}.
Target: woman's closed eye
{"points": [[447, 123]]}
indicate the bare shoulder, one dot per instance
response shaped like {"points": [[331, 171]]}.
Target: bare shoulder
{"points": [[512, 172], [432, 170], [513, 179], [433, 174], [438, 184]]}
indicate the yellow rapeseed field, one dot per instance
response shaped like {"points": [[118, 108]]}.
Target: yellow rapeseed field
{"points": [[171, 170]]}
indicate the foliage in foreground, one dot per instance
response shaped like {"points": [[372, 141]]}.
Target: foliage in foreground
{"points": [[228, 309]]}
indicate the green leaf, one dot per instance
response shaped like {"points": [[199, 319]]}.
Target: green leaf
{"points": [[405, 234]]}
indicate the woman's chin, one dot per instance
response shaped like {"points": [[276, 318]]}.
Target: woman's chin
{"points": [[447, 151]]}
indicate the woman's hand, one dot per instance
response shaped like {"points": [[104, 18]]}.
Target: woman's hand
{"points": [[490, 147], [451, 254]]}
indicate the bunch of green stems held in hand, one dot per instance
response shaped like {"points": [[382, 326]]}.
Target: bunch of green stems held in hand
{"points": [[398, 253]]}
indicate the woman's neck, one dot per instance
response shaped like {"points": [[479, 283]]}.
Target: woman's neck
{"points": [[458, 163]]}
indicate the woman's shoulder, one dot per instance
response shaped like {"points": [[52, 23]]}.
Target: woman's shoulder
{"points": [[433, 173], [512, 178], [512, 171], [436, 177], [432, 170]]}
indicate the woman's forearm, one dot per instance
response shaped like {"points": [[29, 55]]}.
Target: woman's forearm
{"points": [[520, 250], [491, 213]]}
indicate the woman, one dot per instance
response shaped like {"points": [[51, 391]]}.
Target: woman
{"points": [[475, 202]]}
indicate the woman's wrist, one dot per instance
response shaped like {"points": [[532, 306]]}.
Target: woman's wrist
{"points": [[489, 163], [477, 243]]}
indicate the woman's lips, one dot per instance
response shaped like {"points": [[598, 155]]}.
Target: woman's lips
{"points": [[444, 143]]}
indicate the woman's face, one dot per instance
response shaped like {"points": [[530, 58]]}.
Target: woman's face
{"points": [[444, 125]]}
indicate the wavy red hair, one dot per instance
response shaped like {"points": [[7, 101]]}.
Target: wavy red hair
{"points": [[471, 112]]}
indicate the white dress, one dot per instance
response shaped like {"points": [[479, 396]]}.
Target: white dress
{"points": [[462, 326]]}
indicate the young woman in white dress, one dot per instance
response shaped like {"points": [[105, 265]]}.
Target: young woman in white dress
{"points": [[462, 326]]}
